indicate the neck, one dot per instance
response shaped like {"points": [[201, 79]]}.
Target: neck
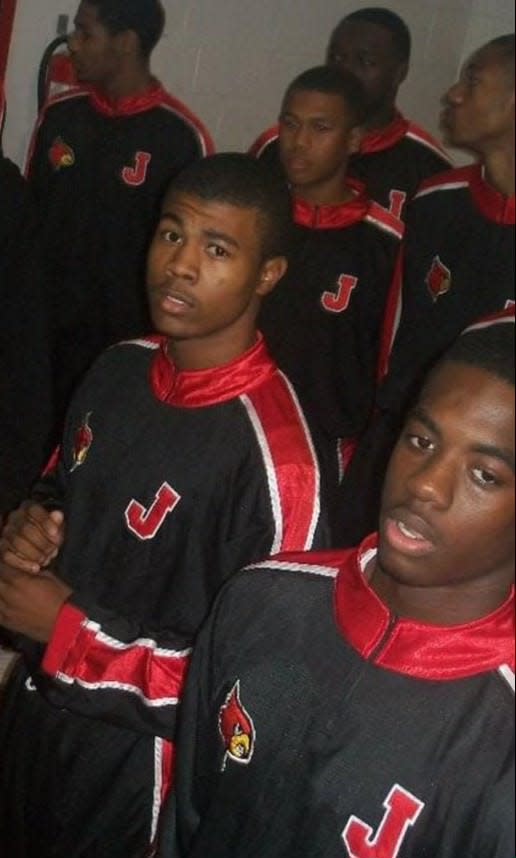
{"points": [[499, 170], [441, 606], [128, 83], [380, 118], [210, 352], [334, 192]]}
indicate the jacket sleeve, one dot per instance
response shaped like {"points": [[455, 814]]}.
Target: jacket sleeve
{"points": [[358, 343], [25, 374], [38, 169], [199, 759], [494, 835], [103, 663]]}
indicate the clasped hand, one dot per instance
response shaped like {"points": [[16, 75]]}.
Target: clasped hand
{"points": [[31, 596]]}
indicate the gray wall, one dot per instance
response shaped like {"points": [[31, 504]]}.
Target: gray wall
{"points": [[230, 60]]}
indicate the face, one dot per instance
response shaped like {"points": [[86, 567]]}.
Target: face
{"points": [[479, 109], [94, 51], [448, 505], [205, 273], [367, 51], [317, 134]]}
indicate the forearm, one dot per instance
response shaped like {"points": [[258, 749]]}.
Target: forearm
{"points": [[111, 667]]}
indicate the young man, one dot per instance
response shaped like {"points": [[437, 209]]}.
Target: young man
{"points": [[395, 154], [25, 377], [457, 262], [322, 323], [360, 703], [100, 161], [184, 456]]}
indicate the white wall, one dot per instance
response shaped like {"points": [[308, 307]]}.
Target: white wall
{"points": [[230, 60]]}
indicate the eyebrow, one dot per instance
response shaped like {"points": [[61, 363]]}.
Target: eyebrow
{"points": [[497, 453], [212, 234], [493, 450], [313, 117], [419, 413]]}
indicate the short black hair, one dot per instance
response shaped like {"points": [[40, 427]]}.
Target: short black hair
{"points": [[396, 26], [245, 182], [505, 46], [333, 81], [489, 347], [144, 17]]}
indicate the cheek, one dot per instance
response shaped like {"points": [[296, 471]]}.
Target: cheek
{"points": [[329, 152], [156, 260], [489, 526]]}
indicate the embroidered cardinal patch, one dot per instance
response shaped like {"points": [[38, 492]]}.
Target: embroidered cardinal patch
{"points": [[438, 279], [82, 443], [61, 154], [236, 729]]}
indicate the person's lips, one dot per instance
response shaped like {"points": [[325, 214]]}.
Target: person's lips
{"points": [[446, 118], [173, 301], [409, 533], [296, 164]]}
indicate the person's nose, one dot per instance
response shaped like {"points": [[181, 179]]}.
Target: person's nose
{"points": [[183, 261], [301, 137], [433, 482], [454, 94]]}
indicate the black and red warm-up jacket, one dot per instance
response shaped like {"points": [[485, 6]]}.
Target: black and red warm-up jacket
{"points": [[319, 724], [392, 161], [169, 482], [98, 171]]}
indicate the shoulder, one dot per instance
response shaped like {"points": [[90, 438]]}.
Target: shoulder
{"points": [[123, 359], [176, 109], [286, 587], [424, 141], [447, 182], [383, 221], [264, 141], [12, 181], [66, 102]]}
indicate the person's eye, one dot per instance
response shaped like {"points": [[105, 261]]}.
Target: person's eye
{"points": [[218, 252], [419, 442], [322, 127], [472, 79], [287, 123], [485, 478], [171, 236]]}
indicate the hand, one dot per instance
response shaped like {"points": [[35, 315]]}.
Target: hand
{"points": [[31, 538], [29, 604]]}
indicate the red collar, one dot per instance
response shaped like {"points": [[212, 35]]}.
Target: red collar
{"points": [[206, 387], [491, 202], [333, 217], [152, 97], [384, 138], [418, 649]]}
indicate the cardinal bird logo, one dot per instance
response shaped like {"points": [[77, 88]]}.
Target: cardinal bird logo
{"points": [[236, 729], [61, 154], [438, 279], [82, 443]]}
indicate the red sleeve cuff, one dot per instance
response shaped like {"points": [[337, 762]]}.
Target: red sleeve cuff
{"points": [[65, 633]]}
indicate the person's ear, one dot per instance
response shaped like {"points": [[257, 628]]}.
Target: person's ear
{"points": [[355, 138], [128, 43], [272, 270], [401, 73]]}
